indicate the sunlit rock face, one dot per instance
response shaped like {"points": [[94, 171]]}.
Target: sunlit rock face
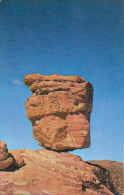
{"points": [[57, 173], [59, 110], [5, 158]]}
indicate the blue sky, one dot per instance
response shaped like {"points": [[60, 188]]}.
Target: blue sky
{"points": [[66, 37]]}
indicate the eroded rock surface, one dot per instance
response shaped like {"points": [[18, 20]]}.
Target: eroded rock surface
{"points": [[59, 110], [48, 172], [5, 158]]}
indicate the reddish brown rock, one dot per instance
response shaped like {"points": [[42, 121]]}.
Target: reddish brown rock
{"points": [[59, 110], [19, 160], [5, 158], [8, 160], [48, 172]]}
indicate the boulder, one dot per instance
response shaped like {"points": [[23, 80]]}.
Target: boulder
{"points": [[5, 158], [18, 158], [9, 161], [59, 110]]}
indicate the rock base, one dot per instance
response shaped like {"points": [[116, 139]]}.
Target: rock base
{"points": [[48, 172]]}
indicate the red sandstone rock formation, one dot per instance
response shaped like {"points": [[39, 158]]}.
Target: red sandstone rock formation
{"points": [[59, 110], [48, 172], [7, 160]]}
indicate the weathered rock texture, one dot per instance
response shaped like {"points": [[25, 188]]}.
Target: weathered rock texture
{"points": [[48, 172], [116, 173], [5, 158], [7, 161], [59, 110]]}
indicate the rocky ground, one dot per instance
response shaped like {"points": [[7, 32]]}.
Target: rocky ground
{"points": [[47, 172]]}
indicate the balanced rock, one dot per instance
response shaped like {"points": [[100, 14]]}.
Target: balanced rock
{"points": [[59, 110], [5, 158]]}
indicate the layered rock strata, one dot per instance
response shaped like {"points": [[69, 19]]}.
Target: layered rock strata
{"points": [[48, 172], [59, 110]]}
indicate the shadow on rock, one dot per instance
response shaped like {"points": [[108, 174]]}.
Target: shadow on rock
{"points": [[8, 162], [104, 176], [12, 168]]}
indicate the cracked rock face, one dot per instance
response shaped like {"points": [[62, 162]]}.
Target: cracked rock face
{"points": [[59, 110]]}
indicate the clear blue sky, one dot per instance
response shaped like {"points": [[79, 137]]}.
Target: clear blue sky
{"points": [[66, 37]]}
